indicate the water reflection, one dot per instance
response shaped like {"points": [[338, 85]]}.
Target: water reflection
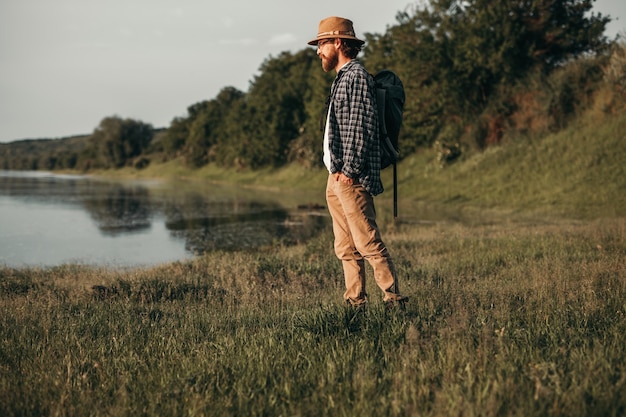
{"points": [[245, 230], [120, 209], [223, 218], [58, 212]]}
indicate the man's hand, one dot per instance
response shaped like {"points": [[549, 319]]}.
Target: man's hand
{"points": [[342, 178]]}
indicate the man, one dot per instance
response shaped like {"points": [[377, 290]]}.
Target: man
{"points": [[352, 157]]}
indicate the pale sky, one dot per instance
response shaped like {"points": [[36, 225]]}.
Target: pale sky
{"points": [[67, 64]]}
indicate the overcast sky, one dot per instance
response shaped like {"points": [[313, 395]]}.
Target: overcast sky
{"points": [[67, 64]]}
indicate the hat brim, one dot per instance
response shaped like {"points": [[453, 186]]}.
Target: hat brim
{"points": [[319, 38]]}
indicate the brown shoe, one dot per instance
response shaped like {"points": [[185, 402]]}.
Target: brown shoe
{"points": [[396, 302], [357, 306]]}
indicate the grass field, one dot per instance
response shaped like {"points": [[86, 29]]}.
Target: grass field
{"points": [[504, 319], [518, 310]]}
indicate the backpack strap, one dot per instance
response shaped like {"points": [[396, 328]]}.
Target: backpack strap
{"points": [[395, 191]]}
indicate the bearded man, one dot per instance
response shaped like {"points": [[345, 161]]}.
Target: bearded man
{"points": [[352, 157]]}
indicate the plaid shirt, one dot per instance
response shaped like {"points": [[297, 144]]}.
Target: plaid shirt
{"points": [[353, 127]]}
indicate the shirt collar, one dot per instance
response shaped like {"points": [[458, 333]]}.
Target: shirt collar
{"points": [[345, 65]]}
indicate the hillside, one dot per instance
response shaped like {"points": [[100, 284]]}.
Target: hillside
{"points": [[579, 171], [39, 154]]}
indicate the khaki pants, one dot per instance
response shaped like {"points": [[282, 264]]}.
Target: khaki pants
{"points": [[357, 239]]}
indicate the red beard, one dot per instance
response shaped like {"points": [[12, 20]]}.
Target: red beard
{"points": [[330, 60]]}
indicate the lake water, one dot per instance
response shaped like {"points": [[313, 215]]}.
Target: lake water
{"points": [[48, 219]]}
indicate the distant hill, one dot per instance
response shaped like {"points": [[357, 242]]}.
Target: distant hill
{"points": [[54, 154], [35, 154]]}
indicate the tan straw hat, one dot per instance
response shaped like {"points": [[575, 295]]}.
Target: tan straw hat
{"points": [[335, 27]]}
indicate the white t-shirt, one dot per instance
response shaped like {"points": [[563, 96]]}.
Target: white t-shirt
{"points": [[326, 141]]}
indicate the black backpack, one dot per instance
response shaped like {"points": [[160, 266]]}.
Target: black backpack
{"points": [[390, 100]]}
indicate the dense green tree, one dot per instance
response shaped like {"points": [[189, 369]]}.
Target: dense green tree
{"points": [[276, 106], [254, 129], [66, 160], [118, 140], [197, 143], [200, 135], [223, 123], [454, 55], [307, 148], [175, 136]]}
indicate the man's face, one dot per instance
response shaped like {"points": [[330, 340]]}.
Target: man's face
{"points": [[328, 54]]}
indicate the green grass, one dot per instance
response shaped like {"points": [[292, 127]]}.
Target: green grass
{"points": [[577, 172], [506, 319]]}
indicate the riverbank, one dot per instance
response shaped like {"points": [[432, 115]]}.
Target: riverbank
{"points": [[578, 172]]}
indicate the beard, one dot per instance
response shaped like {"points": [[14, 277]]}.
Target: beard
{"points": [[330, 60]]}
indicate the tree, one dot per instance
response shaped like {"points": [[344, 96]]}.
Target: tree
{"points": [[208, 125], [455, 54], [175, 136], [197, 136], [258, 128], [306, 149], [117, 140], [276, 107]]}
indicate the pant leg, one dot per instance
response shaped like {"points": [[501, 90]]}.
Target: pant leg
{"points": [[359, 222], [352, 261]]}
